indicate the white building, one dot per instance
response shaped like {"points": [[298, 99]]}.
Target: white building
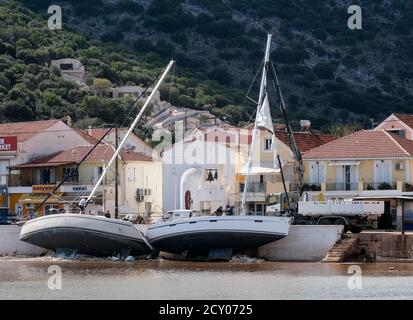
{"points": [[71, 69], [133, 91], [199, 175]]}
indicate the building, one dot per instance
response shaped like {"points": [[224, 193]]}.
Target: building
{"points": [[22, 142], [399, 124], [199, 175], [134, 143], [71, 70], [139, 182], [368, 164], [135, 92], [222, 174]]}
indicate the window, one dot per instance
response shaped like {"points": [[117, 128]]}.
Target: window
{"points": [[267, 144], [66, 66], [400, 133], [211, 175], [45, 176], [131, 174], [74, 174]]}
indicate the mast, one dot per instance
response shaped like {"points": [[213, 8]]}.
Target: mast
{"points": [[133, 125], [116, 177], [263, 92]]}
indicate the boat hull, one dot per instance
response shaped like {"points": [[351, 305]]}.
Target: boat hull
{"points": [[93, 235], [201, 234]]}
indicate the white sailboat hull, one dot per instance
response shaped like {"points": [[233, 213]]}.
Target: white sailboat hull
{"points": [[201, 234], [94, 235]]}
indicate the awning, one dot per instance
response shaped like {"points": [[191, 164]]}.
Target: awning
{"points": [[40, 165], [383, 198], [245, 171], [39, 198], [344, 163]]}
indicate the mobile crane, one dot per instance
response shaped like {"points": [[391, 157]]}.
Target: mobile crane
{"points": [[353, 215]]}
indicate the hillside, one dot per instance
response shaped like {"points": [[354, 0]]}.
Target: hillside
{"points": [[30, 88], [330, 74]]}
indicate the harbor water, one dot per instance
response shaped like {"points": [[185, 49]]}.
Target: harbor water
{"points": [[29, 279]]}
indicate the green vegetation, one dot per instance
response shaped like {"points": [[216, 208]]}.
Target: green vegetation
{"points": [[30, 88], [329, 74]]}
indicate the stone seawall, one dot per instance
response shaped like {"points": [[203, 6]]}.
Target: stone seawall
{"points": [[303, 243], [11, 245], [375, 246]]}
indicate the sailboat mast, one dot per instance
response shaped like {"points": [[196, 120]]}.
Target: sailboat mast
{"points": [[263, 92], [128, 133]]}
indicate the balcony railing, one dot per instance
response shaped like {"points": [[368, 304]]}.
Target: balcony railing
{"points": [[312, 187], [380, 186], [337, 186], [254, 187], [29, 183]]}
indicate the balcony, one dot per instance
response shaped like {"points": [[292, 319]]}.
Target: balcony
{"points": [[254, 187], [369, 186], [338, 186], [16, 182], [311, 187], [256, 192]]}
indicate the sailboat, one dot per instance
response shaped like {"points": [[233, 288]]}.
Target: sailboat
{"points": [[87, 234], [208, 235]]}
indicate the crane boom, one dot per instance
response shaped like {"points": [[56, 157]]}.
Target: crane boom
{"points": [[299, 166]]}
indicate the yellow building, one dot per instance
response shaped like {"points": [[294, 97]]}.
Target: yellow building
{"points": [[366, 161], [261, 185]]}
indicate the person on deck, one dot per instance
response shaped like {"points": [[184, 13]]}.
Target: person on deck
{"points": [[229, 210], [219, 211]]}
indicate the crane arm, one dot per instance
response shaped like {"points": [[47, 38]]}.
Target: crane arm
{"points": [[299, 166]]}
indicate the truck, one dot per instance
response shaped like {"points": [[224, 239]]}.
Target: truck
{"points": [[353, 215]]}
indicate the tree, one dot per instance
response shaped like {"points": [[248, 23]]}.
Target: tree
{"points": [[339, 131], [101, 86], [325, 70]]}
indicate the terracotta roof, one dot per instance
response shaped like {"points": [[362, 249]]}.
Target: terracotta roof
{"points": [[305, 140], [364, 144], [25, 130], [86, 136], [406, 118], [74, 155], [98, 133]]}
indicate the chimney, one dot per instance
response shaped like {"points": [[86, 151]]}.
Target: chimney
{"points": [[305, 125], [89, 130]]}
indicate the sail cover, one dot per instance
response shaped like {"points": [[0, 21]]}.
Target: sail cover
{"points": [[264, 121], [264, 116]]}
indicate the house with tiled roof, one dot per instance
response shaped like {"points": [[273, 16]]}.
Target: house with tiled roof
{"points": [[398, 123], [134, 143], [21, 142], [139, 181], [364, 163]]}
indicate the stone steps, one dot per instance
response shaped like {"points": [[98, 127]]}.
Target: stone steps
{"points": [[341, 249]]}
